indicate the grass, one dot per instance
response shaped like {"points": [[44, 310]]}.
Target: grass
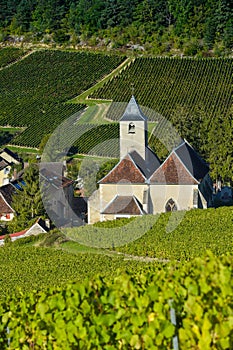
{"points": [[95, 114], [76, 248], [10, 129], [22, 149], [83, 98]]}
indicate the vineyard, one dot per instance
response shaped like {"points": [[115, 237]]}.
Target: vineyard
{"points": [[164, 236], [67, 296], [100, 140], [186, 307], [36, 268], [195, 95], [170, 86], [198, 231], [34, 91], [10, 55]]}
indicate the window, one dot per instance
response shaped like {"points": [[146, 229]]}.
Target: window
{"points": [[171, 205], [6, 170], [131, 128]]}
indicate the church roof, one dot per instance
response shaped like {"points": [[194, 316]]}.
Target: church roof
{"points": [[124, 205], [193, 162], [182, 166], [125, 171], [147, 166], [133, 112], [173, 172]]}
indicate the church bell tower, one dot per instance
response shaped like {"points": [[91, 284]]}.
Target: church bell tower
{"points": [[133, 130]]}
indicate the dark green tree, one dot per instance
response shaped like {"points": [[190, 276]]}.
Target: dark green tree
{"points": [[105, 168], [27, 202]]}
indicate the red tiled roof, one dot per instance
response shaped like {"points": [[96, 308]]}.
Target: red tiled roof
{"points": [[173, 171], [16, 234], [5, 208], [124, 205], [125, 171]]}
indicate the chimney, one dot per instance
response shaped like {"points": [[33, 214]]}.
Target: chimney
{"points": [[47, 223], [14, 174]]}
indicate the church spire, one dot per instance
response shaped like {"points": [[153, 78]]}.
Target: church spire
{"points": [[133, 111]]}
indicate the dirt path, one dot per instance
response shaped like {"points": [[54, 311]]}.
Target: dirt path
{"points": [[110, 253], [18, 60], [83, 98], [139, 258]]}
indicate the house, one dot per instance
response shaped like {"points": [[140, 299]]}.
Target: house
{"points": [[5, 168], [6, 194], [8, 159], [57, 192], [10, 156], [140, 184], [40, 226], [6, 197]]}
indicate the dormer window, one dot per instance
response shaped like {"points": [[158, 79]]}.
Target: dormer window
{"points": [[131, 129]]}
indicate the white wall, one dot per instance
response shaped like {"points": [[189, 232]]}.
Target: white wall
{"points": [[109, 191], [130, 142], [181, 194]]}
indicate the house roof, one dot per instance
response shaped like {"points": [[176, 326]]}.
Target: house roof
{"points": [[124, 205], [3, 163], [16, 234], [11, 154], [5, 208], [23, 233], [42, 224], [133, 112], [55, 179], [6, 194], [79, 205], [125, 171], [193, 162]]}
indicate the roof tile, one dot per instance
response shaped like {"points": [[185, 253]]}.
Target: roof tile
{"points": [[124, 205], [125, 171], [173, 172]]}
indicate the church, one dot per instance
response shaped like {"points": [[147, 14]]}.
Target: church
{"points": [[141, 184]]}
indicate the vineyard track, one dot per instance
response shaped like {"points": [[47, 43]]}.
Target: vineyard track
{"points": [[18, 60], [145, 259], [110, 253], [83, 98]]}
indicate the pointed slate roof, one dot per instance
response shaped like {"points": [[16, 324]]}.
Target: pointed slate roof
{"points": [[133, 112], [125, 171], [124, 205]]}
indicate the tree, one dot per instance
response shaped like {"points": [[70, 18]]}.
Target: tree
{"points": [[220, 147], [105, 168], [27, 202]]}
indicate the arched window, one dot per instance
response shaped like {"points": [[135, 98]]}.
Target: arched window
{"points": [[171, 205], [131, 129]]}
